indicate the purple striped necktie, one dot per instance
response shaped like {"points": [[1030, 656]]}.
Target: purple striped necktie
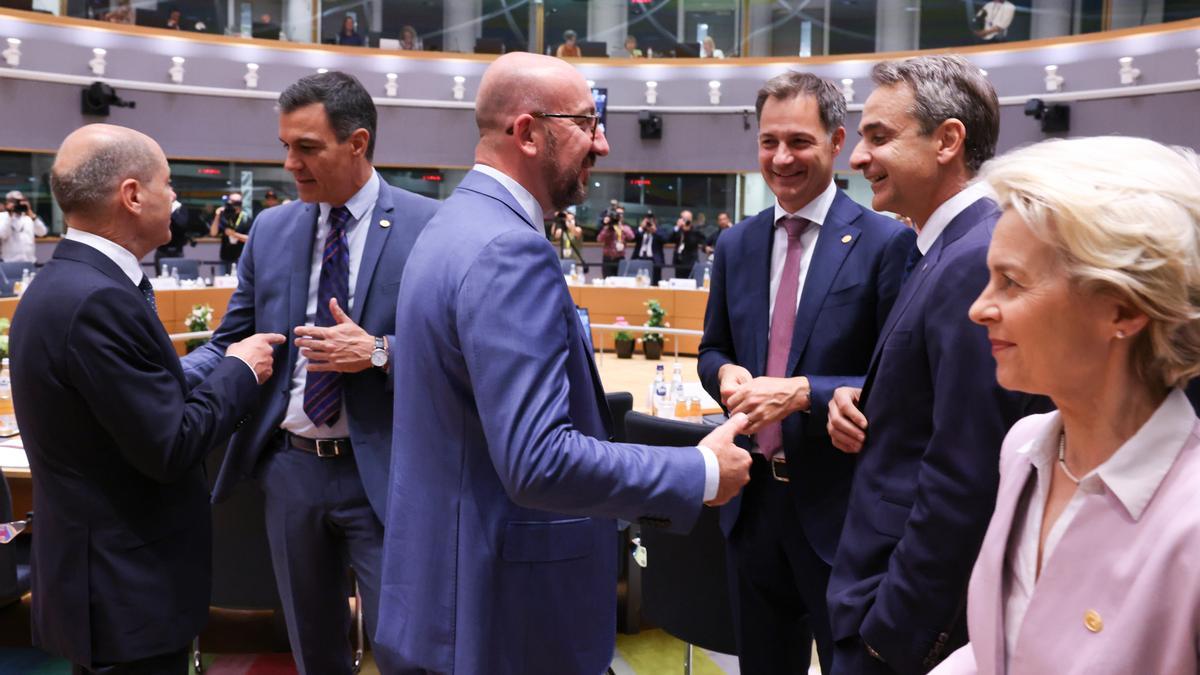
{"points": [[323, 391], [783, 320]]}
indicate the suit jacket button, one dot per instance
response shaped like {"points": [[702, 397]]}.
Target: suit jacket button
{"points": [[1092, 621]]}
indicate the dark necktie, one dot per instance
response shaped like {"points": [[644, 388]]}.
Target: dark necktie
{"points": [[148, 291], [323, 391], [914, 259], [783, 321]]}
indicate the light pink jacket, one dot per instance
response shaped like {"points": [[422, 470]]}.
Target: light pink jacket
{"points": [[1142, 577]]}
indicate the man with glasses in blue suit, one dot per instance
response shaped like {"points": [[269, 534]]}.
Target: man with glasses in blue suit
{"points": [[504, 491]]}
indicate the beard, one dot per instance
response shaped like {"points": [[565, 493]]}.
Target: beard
{"points": [[564, 185]]}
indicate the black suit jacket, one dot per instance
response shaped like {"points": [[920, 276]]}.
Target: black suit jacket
{"points": [[661, 236], [121, 557]]}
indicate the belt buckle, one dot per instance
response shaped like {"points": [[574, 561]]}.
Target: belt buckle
{"points": [[327, 447], [779, 469]]}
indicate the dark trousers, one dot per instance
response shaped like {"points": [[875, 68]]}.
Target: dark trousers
{"points": [[319, 524], [612, 266], [175, 663], [780, 582]]}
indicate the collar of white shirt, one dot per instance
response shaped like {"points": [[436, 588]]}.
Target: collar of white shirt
{"points": [[948, 211], [359, 204], [815, 211], [518, 191], [111, 250], [1138, 467]]}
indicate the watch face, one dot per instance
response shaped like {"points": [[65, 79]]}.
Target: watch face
{"points": [[378, 358]]}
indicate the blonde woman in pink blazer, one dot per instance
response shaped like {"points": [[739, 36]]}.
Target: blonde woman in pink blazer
{"points": [[1091, 563]]}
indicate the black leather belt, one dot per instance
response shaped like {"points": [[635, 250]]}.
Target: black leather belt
{"points": [[321, 447], [778, 465]]}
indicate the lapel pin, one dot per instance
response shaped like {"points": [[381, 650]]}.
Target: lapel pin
{"points": [[846, 238], [385, 223]]}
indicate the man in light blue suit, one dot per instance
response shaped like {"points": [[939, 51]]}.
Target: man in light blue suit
{"points": [[328, 267], [499, 557]]}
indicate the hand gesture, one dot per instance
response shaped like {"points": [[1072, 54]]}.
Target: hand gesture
{"points": [[734, 462], [343, 347], [258, 351], [731, 377]]}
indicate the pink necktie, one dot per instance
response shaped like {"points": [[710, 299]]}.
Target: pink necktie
{"points": [[783, 320]]}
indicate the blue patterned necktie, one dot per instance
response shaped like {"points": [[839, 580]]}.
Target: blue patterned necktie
{"points": [[148, 291], [323, 391]]}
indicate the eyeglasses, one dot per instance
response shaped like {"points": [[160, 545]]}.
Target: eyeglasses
{"points": [[592, 118]]}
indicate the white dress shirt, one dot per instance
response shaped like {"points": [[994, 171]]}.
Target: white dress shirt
{"points": [[115, 252], [816, 211], [948, 211], [1133, 474], [361, 207], [712, 470], [16, 237]]}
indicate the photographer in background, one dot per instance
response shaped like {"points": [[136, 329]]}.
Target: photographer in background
{"points": [[648, 244], [232, 225], [688, 241], [18, 226], [614, 235], [567, 236], [183, 233]]}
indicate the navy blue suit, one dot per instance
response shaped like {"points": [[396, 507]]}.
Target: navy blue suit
{"points": [[852, 280], [123, 552], [500, 528], [927, 475], [303, 491]]}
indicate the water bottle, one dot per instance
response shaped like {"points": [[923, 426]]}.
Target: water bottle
{"points": [[574, 274], [8, 419], [175, 275], [707, 278], [233, 270], [677, 396], [658, 390]]}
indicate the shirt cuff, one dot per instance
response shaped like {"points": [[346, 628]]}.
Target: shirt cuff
{"points": [[252, 372], [712, 473]]}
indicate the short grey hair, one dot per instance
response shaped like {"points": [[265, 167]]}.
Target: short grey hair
{"points": [[948, 87], [1129, 229], [91, 183], [831, 102]]}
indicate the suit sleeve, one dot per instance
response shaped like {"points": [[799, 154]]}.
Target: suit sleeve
{"points": [[956, 483], [117, 366], [237, 324], [514, 335], [887, 287], [716, 345]]}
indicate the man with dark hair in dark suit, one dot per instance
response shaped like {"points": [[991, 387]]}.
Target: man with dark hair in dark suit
{"points": [[928, 471], [115, 437], [798, 295]]}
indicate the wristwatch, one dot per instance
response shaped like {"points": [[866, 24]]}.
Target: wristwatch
{"points": [[379, 357]]}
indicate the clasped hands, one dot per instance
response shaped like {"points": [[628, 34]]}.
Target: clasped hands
{"points": [[763, 399]]}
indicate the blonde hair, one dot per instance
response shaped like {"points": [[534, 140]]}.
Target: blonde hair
{"points": [[1124, 215]]}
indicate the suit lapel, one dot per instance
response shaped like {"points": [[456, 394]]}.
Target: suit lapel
{"points": [[823, 268], [759, 242], [377, 237]]}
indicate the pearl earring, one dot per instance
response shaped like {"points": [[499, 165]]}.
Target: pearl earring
{"points": [[1120, 335]]}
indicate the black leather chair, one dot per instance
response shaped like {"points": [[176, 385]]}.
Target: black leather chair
{"points": [[685, 584], [188, 267], [629, 575], [619, 404], [14, 556]]}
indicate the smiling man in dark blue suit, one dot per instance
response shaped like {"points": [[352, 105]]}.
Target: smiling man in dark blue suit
{"points": [[327, 266], [122, 560], [799, 293], [928, 470]]}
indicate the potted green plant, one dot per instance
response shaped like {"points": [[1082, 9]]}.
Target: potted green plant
{"points": [[623, 340], [198, 320], [4, 338], [652, 343]]}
